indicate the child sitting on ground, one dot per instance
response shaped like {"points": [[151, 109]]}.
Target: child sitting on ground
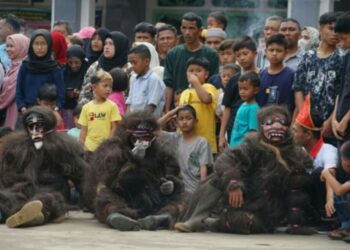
{"points": [[193, 151], [246, 119], [99, 118], [342, 194], [47, 97]]}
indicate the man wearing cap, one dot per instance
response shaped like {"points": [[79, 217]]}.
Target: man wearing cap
{"points": [[307, 133], [214, 37]]}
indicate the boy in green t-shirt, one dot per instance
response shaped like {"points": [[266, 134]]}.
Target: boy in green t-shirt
{"points": [[99, 117]]}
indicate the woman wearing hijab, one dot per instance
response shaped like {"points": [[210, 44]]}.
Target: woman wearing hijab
{"points": [[17, 49], [73, 79], [59, 48], [115, 54], [95, 48], [39, 68], [85, 34]]}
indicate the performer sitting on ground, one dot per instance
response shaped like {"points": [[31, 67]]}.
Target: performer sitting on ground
{"points": [[133, 182], [35, 167], [257, 184], [307, 133]]}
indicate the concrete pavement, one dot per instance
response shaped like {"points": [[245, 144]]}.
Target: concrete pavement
{"points": [[81, 231]]}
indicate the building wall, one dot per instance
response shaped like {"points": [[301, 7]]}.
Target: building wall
{"points": [[305, 11], [123, 15]]}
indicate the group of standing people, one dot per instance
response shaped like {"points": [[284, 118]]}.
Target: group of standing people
{"points": [[223, 95]]}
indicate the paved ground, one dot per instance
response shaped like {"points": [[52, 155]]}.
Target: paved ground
{"points": [[81, 231]]}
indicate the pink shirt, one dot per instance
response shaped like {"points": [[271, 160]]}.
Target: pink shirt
{"points": [[118, 98]]}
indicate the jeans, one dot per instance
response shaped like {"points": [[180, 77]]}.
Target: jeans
{"points": [[342, 206]]}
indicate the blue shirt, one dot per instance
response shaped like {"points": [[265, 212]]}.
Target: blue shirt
{"points": [[28, 85], [246, 120], [277, 88], [4, 57], [146, 90]]}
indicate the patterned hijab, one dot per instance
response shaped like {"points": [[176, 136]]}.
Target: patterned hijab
{"points": [[42, 64], [120, 58]]}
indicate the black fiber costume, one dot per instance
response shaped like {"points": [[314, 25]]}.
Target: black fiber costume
{"points": [[273, 179], [120, 182], [28, 174]]}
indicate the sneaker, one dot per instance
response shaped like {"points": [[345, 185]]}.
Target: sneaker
{"points": [[28, 213]]}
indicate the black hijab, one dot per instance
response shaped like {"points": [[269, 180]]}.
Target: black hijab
{"points": [[91, 55], [43, 64], [120, 58], [75, 79]]}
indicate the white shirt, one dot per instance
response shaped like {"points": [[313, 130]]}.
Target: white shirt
{"points": [[327, 157]]}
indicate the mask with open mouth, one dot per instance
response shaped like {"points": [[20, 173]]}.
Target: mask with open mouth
{"points": [[275, 127]]}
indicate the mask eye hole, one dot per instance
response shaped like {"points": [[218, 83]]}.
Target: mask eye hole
{"points": [[283, 122], [268, 122]]}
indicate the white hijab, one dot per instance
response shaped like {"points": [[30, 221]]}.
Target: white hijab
{"points": [[154, 63]]}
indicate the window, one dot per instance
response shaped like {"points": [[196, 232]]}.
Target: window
{"points": [[237, 3], [181, 2], [279, 4]]}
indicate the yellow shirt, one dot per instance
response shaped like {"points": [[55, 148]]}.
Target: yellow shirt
{"points": [[205, 113], [97, 117]]}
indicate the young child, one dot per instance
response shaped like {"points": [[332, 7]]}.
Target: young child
{"points": [[75, 132], [99, 118], [217, 19], [226, 72], [245, 50], [226, 56], [276, 79], [147, 90], [342, 194], [120, 84], [203, 97], [47, 96], [193, 151], [246, 119]]}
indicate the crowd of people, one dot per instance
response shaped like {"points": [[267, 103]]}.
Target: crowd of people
{"points": [[188, 130]]}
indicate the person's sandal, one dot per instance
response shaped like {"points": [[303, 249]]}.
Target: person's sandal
{"points": [[347, 239], [338, 234]]}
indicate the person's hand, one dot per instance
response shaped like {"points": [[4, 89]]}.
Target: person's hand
{"points": [[343, 126], [326, 129], [192, 78], [222, 143], [329, 207], [76, 93], [236, 198], [167, 186], [23, 110], [335, 128]]}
